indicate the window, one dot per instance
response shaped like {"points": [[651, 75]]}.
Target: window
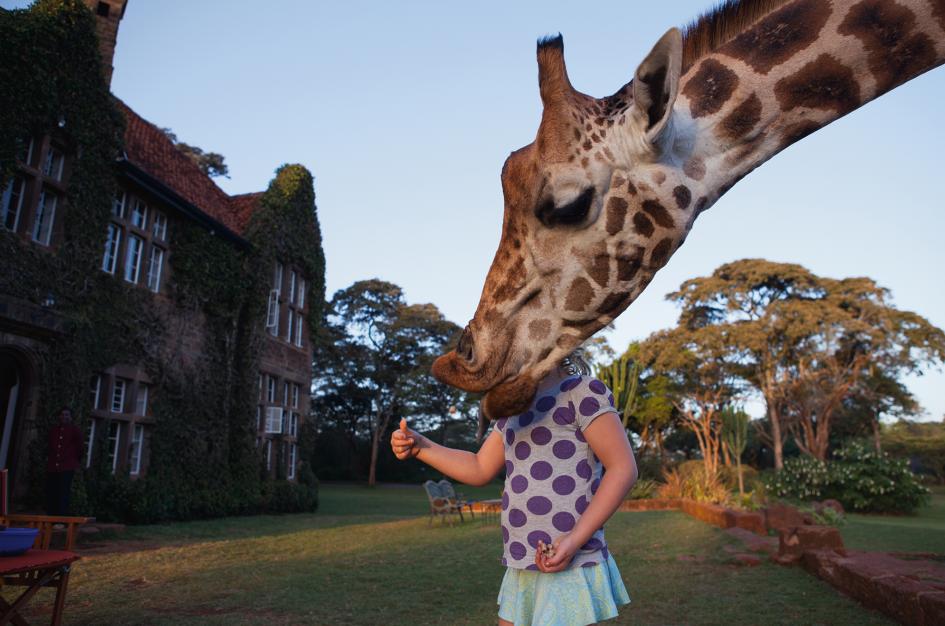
{"points": [[139, 214], [112, 241], [141, 403], [137, 442], [133, 258], [118, 205], [118, 395], [25, 156], [301, 294], [96, 390], [114, 433], [294, 425], [290, 327], [292, 279], [277, 277], [274, 420], [89, 441], [155, 266], [12, 201], [295, 396], [271, 391], [285, 394], [258, 417], [292, 454], [272, 316], [298, 330], [52, 168], [45, 215], [268, 454], [159, 227]]}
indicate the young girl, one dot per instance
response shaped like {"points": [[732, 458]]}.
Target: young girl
{"points": [[556, 500]]}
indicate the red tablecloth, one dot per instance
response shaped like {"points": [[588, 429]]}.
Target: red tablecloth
{"points": [[32, 560]]}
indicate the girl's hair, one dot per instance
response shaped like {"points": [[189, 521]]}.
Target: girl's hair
{"points": [[574, 364]]}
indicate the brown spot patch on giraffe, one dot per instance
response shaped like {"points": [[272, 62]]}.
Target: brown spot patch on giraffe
{"points": [[616, 214], [659, 178], [513, 282], [743, 119], [568, 342], [700, 204], [631, 188], [895, 53], [579, 294], [628, 266], [613, 304], [661, 252], [585, 161], [618, 181], [824, 83], [682, 195], [539, 329], [587, 144], [938, 12], [659, 213], [599, 269], [780, 35], [710, 88], [694, 168], [575, 323], [796, 132], [577, 134], [642, 224]]}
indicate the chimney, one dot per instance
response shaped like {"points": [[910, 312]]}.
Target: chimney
{"points": [[107, 15]]}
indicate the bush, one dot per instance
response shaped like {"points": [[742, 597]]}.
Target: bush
{"points": [[690, 480], [859, 478], [643, 489]]}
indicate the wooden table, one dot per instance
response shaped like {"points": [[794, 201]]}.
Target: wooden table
{"points": [[34, 570]]}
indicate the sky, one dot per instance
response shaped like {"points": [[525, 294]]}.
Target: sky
{"points": [[405, 111]]}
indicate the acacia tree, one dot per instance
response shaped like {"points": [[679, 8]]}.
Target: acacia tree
{"points": [[803, 341], [384, 348]]}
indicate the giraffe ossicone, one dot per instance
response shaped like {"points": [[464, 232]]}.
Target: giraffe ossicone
{"points": [[610, 187]]}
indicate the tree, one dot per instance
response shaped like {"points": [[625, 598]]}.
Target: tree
{"points": [[211, 163], [735, 436], [380, 350], [803, 341]]}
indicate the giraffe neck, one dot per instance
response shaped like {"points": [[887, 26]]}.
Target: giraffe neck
{"points": [[792, 72]]}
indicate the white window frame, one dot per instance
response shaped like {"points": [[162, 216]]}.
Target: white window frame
{"points": [[140, 208], [285, 393], [290, 474], [45, 217], [298, 329], [7, 200], [117, 440], [258, 417], [29, 152], [272, 313], [96, 390], [159, 226], [274, 416], [118, 204], [290, 326], [295, 395], [112, 246], [134, 250], [141, 401], [154, 275], [271, 390], [292, 280], [277, 276], [55, 158], [137, 444], [122, 385], [294, 425], [90, 443], [301, 294]]}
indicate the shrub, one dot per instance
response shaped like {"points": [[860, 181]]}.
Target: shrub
{"points": [[858, 477], [690, 480], [643, 489]]}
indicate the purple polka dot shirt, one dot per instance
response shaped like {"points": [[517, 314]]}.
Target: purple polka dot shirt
{"points": [[551, 474]]}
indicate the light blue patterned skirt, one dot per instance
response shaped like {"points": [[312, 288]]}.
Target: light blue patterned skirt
{"points": [[573, 597]]}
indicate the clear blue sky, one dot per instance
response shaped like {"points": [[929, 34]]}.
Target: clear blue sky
{"points": [[405, 111]]}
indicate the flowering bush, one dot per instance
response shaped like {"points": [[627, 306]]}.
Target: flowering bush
{"points": [[858, 477]]}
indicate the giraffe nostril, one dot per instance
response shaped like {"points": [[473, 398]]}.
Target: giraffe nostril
{"points": [[465, 346]]}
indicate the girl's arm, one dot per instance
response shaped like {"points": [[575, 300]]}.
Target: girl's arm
{"points": [[608, 439], [471, 468]]}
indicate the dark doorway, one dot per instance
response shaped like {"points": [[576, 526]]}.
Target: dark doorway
{"points": [[13, 393]]}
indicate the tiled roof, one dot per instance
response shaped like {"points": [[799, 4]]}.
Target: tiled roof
{"points": [[148, 148]]}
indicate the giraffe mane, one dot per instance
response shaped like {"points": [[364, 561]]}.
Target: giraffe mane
{"points": [[718, 26]]}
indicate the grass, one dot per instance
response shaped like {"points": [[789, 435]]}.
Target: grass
{"points": [[369, 557], [922, 532]]}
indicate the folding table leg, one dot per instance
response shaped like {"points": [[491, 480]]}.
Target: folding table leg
{"points": [[60, 596], [13, 616]]}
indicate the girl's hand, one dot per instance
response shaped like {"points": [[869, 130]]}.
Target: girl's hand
{"points": [[564, 551], [405, 442]]}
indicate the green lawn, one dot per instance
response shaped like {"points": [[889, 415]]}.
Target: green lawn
{"points": [[922, 532], [369, 557]]}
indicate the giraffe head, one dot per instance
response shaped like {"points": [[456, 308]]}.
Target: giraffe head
{"points": [[593, 207]]}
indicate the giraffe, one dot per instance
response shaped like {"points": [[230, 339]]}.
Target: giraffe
{"points": [[610, 187]]}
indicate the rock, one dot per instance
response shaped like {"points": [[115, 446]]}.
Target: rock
{"points": [[782, 517], [749, 520], [794, 542], [753, 541]]}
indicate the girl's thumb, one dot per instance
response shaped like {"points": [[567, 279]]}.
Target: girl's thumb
{"points": [[403, 425]]}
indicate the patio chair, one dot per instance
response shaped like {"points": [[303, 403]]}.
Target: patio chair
{"points": [[446, 488], [441, 503], [47, 525]]}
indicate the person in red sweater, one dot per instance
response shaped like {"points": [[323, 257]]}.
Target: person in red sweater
{"points": [[64, 452]]}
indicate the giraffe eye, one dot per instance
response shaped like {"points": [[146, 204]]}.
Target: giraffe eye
{"points": [[571, 213]]}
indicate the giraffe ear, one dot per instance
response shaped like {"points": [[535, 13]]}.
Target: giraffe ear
{"points": [[553, 79], [656, 83]]}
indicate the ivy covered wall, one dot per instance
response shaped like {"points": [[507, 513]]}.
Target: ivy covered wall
{"points": [[203, 460]]}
